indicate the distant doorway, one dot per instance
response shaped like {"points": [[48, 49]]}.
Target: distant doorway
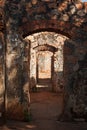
{"points": [[44, 67]]}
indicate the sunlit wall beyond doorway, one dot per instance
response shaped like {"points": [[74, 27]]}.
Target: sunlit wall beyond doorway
{"points": [[51, 62]]}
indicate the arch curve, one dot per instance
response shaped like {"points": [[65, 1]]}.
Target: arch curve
{"points": [[45, 47], [56, 26]]}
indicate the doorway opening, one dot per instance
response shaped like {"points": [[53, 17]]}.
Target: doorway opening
{"points": [[44, 68], [46, 75], [46, 61]]}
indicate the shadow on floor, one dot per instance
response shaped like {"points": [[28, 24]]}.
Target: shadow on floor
{"points": [[44, 125]]}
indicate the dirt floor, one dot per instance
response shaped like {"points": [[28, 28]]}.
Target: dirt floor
{"points": [[45, 108]]}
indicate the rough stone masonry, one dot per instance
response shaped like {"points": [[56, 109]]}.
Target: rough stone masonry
{"points": [[20, 18]]}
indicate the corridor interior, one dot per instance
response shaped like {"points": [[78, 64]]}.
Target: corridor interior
{"points": [[46, 63]]}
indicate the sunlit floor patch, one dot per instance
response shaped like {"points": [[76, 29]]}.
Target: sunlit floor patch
{"points": [[31, 126]]}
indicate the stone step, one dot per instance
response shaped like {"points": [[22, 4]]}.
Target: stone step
{"points": [[46, 87]]}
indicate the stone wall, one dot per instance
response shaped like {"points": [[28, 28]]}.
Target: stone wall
{"points": [[67, 17], [2, 78], [17, 79], [75, 78], [2, 64]]}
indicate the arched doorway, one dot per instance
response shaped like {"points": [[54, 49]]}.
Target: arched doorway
{"points": [[46, 74], [46, 54]]}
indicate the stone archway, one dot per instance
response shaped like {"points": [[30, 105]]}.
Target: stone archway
{"points": [[53, 42], [45, 66], [41, 46], [26, 17]]}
